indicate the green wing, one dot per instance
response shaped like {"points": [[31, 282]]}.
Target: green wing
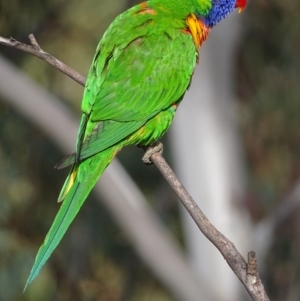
{"points": [[137, 71]]}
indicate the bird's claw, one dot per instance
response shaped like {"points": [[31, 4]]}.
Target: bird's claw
{"points": [[155, 147]]}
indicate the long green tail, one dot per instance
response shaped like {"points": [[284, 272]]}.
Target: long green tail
{"points": [[84, 179]]}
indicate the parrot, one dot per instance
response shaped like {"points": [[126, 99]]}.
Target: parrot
{"points": [[142, 68]]}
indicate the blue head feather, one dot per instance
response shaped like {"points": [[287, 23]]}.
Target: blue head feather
{"points": [[219, 10]]}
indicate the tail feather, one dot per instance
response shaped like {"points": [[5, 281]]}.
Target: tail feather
{"points": [[66, 161], [74, 192], [68, 184]]}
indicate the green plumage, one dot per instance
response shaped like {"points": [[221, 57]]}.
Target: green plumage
{"points": [[142, 67]]}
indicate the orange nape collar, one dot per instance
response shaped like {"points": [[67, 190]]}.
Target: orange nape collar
{"points": [[197, 29]]}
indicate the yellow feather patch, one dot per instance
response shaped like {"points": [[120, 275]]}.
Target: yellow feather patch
{"points": [[197, 29], [72, 179], [68, 185]]}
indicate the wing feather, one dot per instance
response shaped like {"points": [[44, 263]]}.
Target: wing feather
{"points": [[139, 69]]}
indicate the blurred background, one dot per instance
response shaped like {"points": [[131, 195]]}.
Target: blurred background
{"points": [[235, 145]]}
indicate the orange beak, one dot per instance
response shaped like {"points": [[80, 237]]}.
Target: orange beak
{"points": [[240, 4]]}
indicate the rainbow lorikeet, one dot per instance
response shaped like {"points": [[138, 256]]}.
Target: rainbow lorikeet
{"points": [[141, 70]]}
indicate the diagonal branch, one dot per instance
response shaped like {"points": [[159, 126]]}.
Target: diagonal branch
{"points": [[247, 273], [36, 50]]}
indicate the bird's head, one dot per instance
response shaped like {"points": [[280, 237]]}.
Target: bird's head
{"points": [[216, 10]]}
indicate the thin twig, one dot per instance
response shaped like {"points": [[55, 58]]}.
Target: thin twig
{"points": [[246, 272], [36, 50], [34, 43]]}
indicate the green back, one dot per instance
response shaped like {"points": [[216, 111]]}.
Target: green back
{"points": [[142, 65]]}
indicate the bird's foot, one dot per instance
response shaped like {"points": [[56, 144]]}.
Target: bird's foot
{"points": [[155, 147]]}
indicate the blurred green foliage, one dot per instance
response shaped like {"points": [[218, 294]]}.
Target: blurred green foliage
{"points": [[268, 81]]}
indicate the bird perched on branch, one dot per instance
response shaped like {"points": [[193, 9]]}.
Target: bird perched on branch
{"points": [[141, 70]]}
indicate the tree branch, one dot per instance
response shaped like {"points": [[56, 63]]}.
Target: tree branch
{"points": [[36, 50], [247, 273]]}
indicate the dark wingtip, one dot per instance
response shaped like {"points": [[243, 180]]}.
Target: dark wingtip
{"points": [[65, 162]]}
